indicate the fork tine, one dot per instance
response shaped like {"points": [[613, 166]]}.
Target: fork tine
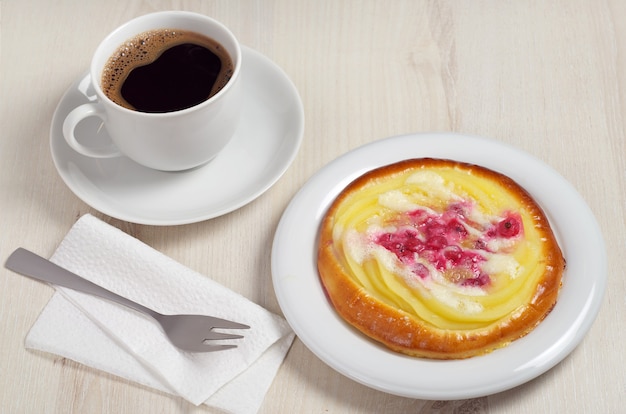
{"points": [[204, 347], [218, 347], [226, 324], [212, 335]]}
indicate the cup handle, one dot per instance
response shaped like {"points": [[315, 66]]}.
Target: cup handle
{"points": [[71, 121]]}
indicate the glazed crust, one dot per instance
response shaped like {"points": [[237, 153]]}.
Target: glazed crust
{"points": [[408, 334]]}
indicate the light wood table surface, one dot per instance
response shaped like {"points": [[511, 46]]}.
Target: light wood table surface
{"points": [[547, 77]]}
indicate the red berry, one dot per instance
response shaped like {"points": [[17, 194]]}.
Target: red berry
{"points": [[509, 227]]}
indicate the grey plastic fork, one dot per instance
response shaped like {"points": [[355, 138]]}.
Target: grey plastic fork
{"points": [[187, 332]]}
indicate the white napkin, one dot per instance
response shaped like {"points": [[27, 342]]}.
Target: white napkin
{"points": [[118, 340]]}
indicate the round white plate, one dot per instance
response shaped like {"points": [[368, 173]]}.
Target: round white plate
{"points": [[265, 144], [311, 316]]}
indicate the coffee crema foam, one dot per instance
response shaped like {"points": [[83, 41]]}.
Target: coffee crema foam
{"points": [[146, 48]]}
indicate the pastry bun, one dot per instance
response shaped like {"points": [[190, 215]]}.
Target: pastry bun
{"points": [[439, 259]]}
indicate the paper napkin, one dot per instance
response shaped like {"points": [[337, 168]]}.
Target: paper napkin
{"points": [[118, 340]]}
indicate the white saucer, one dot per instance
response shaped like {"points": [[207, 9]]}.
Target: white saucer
{"points": [[265, 144], [306, 308]]}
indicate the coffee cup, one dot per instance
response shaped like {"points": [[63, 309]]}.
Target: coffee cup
{"points": [[167, 89]]}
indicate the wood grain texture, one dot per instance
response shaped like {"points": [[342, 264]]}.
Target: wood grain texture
{"points": [[547, 77]]}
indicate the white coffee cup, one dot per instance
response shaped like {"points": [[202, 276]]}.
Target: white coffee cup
{"points": [[169, 141]]}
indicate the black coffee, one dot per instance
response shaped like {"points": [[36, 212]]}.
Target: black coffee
{"points": [[166, 70]]}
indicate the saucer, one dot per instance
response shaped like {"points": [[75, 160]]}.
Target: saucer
{"points": [[265, 144]]}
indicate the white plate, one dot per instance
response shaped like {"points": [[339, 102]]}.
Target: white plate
{"points": [[262, 149], [311, 316]]}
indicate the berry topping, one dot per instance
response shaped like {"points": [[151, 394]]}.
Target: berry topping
{"points": [[437, 239], [448, 242], [510, 226]]}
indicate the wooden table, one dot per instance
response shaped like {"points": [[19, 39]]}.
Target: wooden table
{"points": [[546, 77]]}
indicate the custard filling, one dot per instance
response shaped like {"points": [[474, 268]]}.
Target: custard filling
{"points": [[454, 249]]}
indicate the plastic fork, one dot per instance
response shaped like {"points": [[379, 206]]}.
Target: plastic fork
{"points": [[187, 332]]}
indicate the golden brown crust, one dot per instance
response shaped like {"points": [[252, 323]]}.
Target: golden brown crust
{"points": [[406, 333]]}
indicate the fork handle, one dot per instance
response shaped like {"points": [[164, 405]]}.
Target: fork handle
{"points": [[36, 267]]}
